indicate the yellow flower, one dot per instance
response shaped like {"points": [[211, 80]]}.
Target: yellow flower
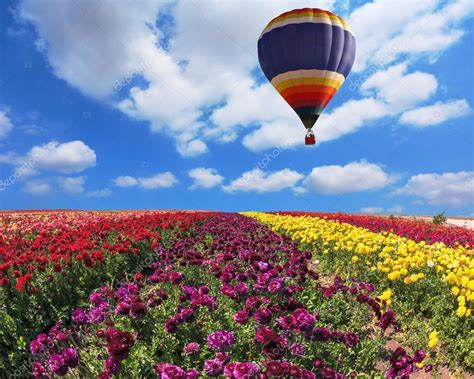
{"points": [[354, 259], [455, 291]]}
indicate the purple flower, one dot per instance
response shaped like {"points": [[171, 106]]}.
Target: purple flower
{"points": [[112, 365], [35, 346], [220, 340], [192, 348], [263, 316], [38, 371], [241, 289], [387, 319], [96, 298], [275, 285], [122, 308], [214, 367], [192, 374], [322, 334], [57, 364], [304, 319], [79, 316], [419, 356], [69, 356], [169, 371], [297, 349], [241, 317], [137, 309], [351, 339], [244, 370]]}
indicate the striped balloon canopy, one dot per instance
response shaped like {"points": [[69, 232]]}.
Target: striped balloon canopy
{"points": [[307, 54]]}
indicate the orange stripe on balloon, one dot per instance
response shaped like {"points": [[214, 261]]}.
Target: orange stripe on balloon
{"points": [[308, 88]]}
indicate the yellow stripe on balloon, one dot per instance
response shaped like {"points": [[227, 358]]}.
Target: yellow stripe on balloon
{"points": [[307, 77], [298, 18]]}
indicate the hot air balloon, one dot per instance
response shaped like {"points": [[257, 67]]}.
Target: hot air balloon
{"points": [[307, 54]]}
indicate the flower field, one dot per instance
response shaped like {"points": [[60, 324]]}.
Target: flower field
{"points": [[255, 295]]}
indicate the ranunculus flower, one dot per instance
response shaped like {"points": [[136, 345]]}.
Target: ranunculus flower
{"points": [[297, 349], [79, 316], [220, 340], [57, 364], [351, 339], [245, 370], [265, 335], [112, 365], [69, 356], [192, 348], [38, 371], [241, 317], [213, 367], [263, 316]]}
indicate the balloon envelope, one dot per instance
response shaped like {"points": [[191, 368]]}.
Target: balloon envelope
{"points": [[307, 54]]}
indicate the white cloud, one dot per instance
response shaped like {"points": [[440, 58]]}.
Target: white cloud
{"points": [[37, 187], [396, 209], [429, 34], [125, 181], [5, 124], [398, 89], [372, 210], [435, 114], [72, 185], [204, 177], [162, 180], [450, 188], [99, 193], [67, 158], [353, 177], [261, 181], [105, 40], [377, 22]]}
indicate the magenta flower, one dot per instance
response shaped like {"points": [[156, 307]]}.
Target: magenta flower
{"points": [[241, 317], [220, 340], [263, 316], [192, 348], [214, 367]]}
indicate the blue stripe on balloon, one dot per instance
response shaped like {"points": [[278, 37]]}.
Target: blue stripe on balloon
{"points": [[306, 46]]}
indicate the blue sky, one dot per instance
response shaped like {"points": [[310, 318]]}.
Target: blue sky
{"points": [[148, 105]]}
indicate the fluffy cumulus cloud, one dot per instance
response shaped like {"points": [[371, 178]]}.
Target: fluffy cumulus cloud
{"points": [[435, 114], [450, 188], [161, 180], [72, 185], [5, 124], [204, 177], [37, 187], [125, 181], [261, 181], [67, 158], [353, 177], [197, 76]]}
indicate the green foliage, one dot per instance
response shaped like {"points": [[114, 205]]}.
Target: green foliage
{"points": [[439, 219]]}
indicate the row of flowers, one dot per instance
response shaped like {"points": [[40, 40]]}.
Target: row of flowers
{"points": [[394, 257], [413, 229], [50, 261], [231, 299], [29, 243]]}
